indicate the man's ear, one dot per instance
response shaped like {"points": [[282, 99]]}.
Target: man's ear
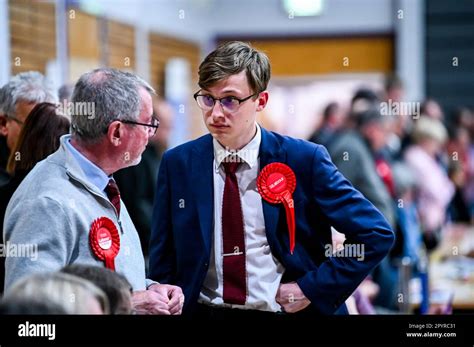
{"points": [[115, 133], [262, 100], [3, 125]]}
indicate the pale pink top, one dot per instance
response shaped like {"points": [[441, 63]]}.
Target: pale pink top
{"points": [[435, 188]]}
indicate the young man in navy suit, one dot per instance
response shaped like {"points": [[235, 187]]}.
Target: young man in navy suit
{"points": [[228, 248]]}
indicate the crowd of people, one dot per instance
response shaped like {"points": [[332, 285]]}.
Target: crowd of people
{"points": [[83, 189], [417, 168]]}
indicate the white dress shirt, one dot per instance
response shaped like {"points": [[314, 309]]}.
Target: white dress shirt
{"points": [[264, 272]]}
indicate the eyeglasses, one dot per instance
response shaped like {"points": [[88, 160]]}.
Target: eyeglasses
{"points": [[16, 120], [228, 103], [152, 128]]}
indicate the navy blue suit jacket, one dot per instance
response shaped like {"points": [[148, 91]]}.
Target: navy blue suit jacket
{"points": [[182, 227]]}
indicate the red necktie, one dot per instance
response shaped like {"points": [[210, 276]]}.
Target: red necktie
{"points": [[235, 287], [113, 194]]}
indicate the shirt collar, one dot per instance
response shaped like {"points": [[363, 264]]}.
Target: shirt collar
{"points": [[248, 154], [93, 173]]}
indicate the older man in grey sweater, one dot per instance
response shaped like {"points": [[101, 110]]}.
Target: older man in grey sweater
{"points": [[69, 207]]}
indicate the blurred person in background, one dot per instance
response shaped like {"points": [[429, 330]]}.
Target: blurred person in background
{"points": [[354, 154], [461, 148], [399, 135], [137, 184], [4, 151], [432, 109], [408, 221], [463, 117], [459, 211], [17, 99], [38, 138], [333, 119], [434, 189], [394, 88], [358, 155], [364, 99], [58, 288], [65, 93], [113, 284]]}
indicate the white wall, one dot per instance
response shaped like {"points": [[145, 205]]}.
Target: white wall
{"points": [[4, 43], [262, 17], [410, 47], [186, 19], [203, 20]]}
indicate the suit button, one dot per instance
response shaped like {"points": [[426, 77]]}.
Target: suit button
{"points": [[206, 265]]}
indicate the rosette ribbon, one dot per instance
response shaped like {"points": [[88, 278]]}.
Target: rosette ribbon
{"points": [[276, 184], [104, 240]]}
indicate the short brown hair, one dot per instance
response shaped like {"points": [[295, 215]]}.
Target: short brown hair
{"points": [[231, 58]]}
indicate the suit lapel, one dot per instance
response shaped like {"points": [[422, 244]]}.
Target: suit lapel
{"points": [[201, 173], [271, 152]]}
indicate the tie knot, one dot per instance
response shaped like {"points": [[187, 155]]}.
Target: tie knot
{"points": [[112, 188], [113, 194], [231, 164]]}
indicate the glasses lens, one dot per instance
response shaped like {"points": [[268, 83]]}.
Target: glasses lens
{"points": [[14, 119], [205, 101], [230, 103]]}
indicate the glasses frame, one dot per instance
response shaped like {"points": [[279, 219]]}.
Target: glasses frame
{"points": [[16, 120], [195, 96], [125, 121]]}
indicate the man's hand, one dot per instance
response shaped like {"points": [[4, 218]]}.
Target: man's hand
{"points": [[149, 302], [172, 295], [291, 298]]}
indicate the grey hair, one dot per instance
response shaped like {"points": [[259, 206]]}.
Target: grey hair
{"points": [[30, 87], [65, 92], [70, 292], [114, 95]]}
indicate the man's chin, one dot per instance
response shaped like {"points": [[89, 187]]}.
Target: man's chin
{"points": [[133, 162], [220, 135]]}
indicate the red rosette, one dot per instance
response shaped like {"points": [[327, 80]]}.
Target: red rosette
{"points": [[104, 240], [276, 184]]}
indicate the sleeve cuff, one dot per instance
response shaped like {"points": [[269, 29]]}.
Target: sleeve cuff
{"points": [[149, 283]]}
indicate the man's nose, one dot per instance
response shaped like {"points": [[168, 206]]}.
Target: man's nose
{"points": [[217, 111], [151, 132]]}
